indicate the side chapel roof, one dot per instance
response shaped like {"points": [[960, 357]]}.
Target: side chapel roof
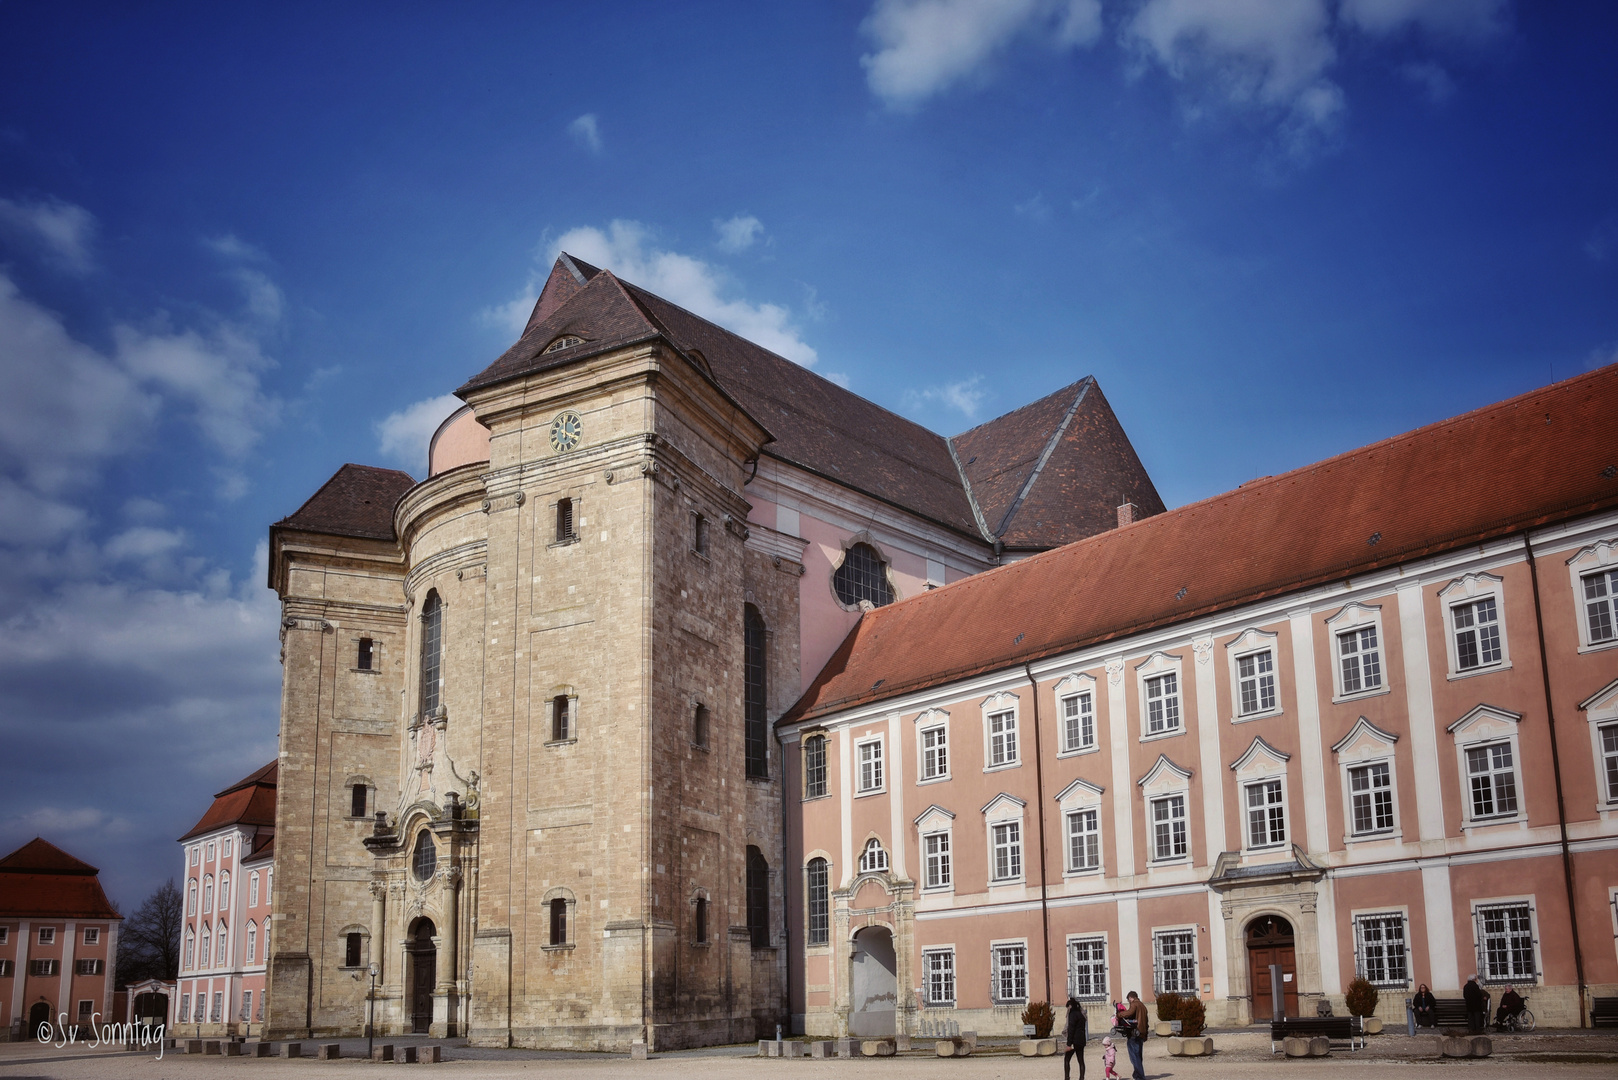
{"points": [[40, 880], [249, 801], [357, 501]]}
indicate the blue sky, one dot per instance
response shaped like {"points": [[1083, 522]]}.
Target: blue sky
{"points": [[241, 245]]}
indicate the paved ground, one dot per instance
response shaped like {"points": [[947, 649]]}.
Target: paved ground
{"points": [[1239, 1055]]}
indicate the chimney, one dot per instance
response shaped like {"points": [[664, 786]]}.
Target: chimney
{"points": [[1126, 514]]}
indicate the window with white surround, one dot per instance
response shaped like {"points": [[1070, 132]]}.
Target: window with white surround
{"points": [[205, 957], [1487, 751], [1601, 711], [1168, 828], [1356, 633], [252, 942], [1009, 972], [224, 891], [252, 889], [1083, 840], [207, 893], [936, 860], [5, 935], [195, 855], [1174, 961], [1366, 767], [226, 851], [1087, 967], [1475, 610], [814, 767], [1380, 953], [191, 897], [92, 936], [1000, 746], [869, 755], [1006, 841], [1608, 734], [874, 857], [1252, 659], [934, 752], [190, 950], [1165, 791], [1266, 814], [1507, 941], [818, 895], [210, 851], [1594, 571], [1076, 709], [938, 976], [224, 952], [1370, 797], [47, 935], [1162, 704]]}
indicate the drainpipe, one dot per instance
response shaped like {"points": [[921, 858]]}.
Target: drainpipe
{"points": [[1039, 788], [1556, 769]]}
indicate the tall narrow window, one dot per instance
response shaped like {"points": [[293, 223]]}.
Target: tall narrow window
{"points": [[252, 942], [190, 950], [185, 1007], [935, 753], [351, 951], [1361, 660], [207, 893], [1371, 797], [935, 849], [699, 534], [862, 576], [191, 897], [363, 660], [1266, 816], [1003, 738], [1255, 676], [870, 754], [814, 766], [247, 1004], [1477, 634], [224, 952], [938, 969], [1494, 780], [1609, 757], [700, 921], [432, 630], [564, 521], [252, 889], [819, 902], [1006, 841], [758, 898], [205, 954], [756, 701], [424, 861], [356, 801], [558, 915], [1010, 974], [1078, 722], [1600, 596], [561, 718], [1168, 828], [699, 726], [1381, 940], [1162, 704], [1083, 841], [224, 891]]}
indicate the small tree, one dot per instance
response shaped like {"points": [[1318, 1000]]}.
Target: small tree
{"points": [[1039, 1014], [149, 940], [1361, 997], [1186, 1008]]}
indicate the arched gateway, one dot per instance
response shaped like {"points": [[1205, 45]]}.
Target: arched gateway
{"points": [[423, 974], [875, 984], [1272, 965]]}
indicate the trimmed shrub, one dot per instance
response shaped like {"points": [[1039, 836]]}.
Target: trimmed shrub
{"points": [[1186, 1008], [1040, 1015], [1362, 997]]}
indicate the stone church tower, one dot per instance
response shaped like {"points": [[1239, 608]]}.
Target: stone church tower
{"points": [[526, 764]]}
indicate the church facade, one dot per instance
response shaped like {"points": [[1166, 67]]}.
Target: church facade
{"points": [[529, 771]]}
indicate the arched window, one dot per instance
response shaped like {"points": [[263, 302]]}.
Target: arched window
{"points": [[814, 766], [758, 898], [700, 927], [562, 706], [863, 576], [252, 942], [432, 645], [224, 953], [699, 726], [756, 706], [558, 913], [874, 857], [425, 859], [206, 955], [819, 902], [191, 897], [252, 889], [207, 893], [190, 950], [224, 891]]}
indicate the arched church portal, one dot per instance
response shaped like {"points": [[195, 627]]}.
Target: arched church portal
{"points": [[1271, 964], [875, 984], [423, 956]]}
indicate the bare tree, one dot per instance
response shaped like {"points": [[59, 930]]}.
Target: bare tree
{"points": [[149, 941]]}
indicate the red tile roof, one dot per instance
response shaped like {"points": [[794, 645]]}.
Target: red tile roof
{"points": [[1547, 456], [41, 881], [264, 851], [249, 801], [357, 501]]}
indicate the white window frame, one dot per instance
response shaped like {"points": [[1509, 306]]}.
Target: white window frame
{"points": [[937, 856], [1486, 726], [1006, 810], [1601, 712], [1166, 780], [252, 888], [1159, 935], [1362, 945], [1460, 593], [1015, 950], [1366, 745], [252, 942], [1599, 557], [92, 935], [1156, 666], [932, 976], [1263, 805], [874, 858], [1073, 689], [1354, 618], [1263, 764], [196, 854], [1003, 704], [1089, 941], [877, 775], [1090, 815], [825, 760], [46, 936], [934, 722], [935, 821], [1171, 801], [1249, 645], [1078, 797], [1479, 934]]}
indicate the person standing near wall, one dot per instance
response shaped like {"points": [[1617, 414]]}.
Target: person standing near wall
{"points": [[1078, 1032], [1135, 1016], [1477, 1005]]}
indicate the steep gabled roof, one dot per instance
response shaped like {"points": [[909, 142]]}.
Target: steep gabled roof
{"points": [[1547, 456], [40, 856], [249, 801], [357, 501], [40, 880]]}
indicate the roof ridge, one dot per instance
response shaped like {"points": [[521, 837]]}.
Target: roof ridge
{"points": [[1045, 455], [332, 479], [966, 486]]}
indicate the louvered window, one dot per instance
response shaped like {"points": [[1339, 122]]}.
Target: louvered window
{"points": [[564, 522]]}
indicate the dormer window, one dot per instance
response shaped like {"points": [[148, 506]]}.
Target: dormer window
{"points": [[566, 341]]}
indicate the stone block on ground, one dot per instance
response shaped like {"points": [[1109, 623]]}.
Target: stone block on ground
{"points": [[211, 1046], [766, 1047], [847, 1048], [193, 1046], [1176, 1046], [1320, 1046], [292, 1050], [637, 1050], [331, 1051], [1457, 1046], [822, 1048], [261, 1049], [1036, 1047], [1191, 1045], [1163, 1029], [971, 1038], [1294, 1047], [1482, 1046], [430, 1054], [876, 1047], [1373, 1025], [382, 1053], [407, 1054], [232, 1048], [901, 1041]]}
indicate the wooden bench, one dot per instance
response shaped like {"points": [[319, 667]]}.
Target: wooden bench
{"points": [[1451, 1012], [1604, 1012], [1339, 1029]]}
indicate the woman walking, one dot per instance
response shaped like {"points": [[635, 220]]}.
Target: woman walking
{"points": [[1078, 1032]]}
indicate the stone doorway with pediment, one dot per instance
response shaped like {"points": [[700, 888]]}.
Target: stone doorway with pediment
{"points": [[1272, 967]]}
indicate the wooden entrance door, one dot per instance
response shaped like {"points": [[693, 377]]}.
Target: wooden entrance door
{"points": [[423, 976], [1269, 941]]}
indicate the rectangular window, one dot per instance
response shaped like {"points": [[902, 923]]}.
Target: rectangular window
{"points": [[561, 718], [1255, 677], [1010, 973], [699, 534], [1162, 704], [1168, 828], [819, 902], [47, 935], [252, 888], [1507, 936], [1266, 816], [564, 521], [699, 736], [1083, 841], [252, 943], [1600, 597], [1382, 959], [1609, 757], [227, 849], [92, 936], [194, 856], [351, 951], [871, 765], [1087, 969], [1006, 839], [1078, 722], [934, 753], [1002, 738], [938, 974], [210, 852], [701, 928], [814, 766], [1176, 953], [86, 1006], [5, 935], [936, 851], [1361, 660], [1477, 634], [42, 968], [88, 967], [1371, 797], [558, 921], [218, 1006], [7, 968], [363, 660], [185, 1008], [356, 801], [1494, 780], [247, 1004]]}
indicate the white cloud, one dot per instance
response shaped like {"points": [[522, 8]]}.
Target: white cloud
{"points": [[586, 132], [512, 316], [926, 46], [625, 248], [144, 542], [64, 230], [1465, 20], [964, 397], [739, 233], [838, 377], [27, 517], [1034, 207], [404, 436], [216, 374]]}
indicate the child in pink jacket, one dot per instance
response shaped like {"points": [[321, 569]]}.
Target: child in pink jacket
{"points": [[1109, 1055]]}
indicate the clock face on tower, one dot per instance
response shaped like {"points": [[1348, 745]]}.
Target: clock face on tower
{"points": [[565, 431]]}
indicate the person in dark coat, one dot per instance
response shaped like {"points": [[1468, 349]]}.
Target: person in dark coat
{"points": [[1511, 1003], [1425, 1006], [1078, 1033], [1477, 1005]]}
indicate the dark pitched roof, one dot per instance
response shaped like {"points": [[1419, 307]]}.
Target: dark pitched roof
{"points": [[1055, 470], [1547, 456], [249, 801], [357, 501], [40, 880], [568, 276], [263, 850]]}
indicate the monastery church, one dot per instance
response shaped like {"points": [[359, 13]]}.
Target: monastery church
{"points": [[691, 694]]}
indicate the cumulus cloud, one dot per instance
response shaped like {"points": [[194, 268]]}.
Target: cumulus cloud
{"points": [[63, 231], [216, 375], [738, 233], [1464, 20], [404, 436], [926, 46], [627, 249], [586, 132], [965, 397]]}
